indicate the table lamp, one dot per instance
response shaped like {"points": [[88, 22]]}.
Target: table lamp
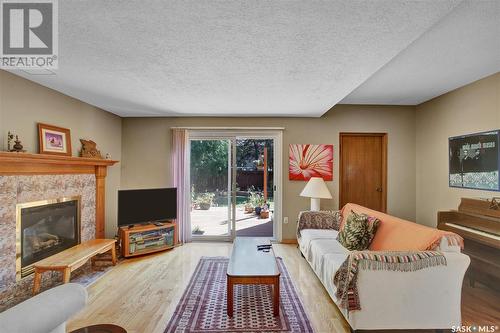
{"points": [[316, 189]]}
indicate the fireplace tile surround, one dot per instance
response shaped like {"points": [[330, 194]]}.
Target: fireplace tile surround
{"points": [[15, 189]]}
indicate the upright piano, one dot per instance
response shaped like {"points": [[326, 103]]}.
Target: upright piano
{"points": [[478, 222]]}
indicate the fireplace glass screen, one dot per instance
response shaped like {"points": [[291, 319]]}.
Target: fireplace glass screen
{"points": [[46, 230]]}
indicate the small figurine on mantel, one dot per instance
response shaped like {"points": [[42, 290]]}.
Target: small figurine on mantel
{"points": [[18, 147], [10, 137], [89, 149]]}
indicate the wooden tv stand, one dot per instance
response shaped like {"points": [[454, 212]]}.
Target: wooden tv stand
{"points": [[147, 238]]}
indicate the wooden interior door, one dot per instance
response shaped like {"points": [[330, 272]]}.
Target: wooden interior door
{"points": [[363, 170]]}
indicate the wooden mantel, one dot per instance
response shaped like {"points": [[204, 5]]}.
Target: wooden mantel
{"points": [[39, 164]]}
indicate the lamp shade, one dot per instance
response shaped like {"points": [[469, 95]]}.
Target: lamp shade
{"points": [[316, 188]]}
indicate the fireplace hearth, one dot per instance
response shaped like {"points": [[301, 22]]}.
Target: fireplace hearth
{"points": [[43, 229]]}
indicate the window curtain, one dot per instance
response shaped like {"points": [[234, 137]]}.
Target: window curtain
{"points": [[180, 179]]}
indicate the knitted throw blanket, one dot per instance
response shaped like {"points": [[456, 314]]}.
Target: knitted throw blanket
{"points": [[345, 278]]}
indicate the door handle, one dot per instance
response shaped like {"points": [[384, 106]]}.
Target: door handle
{"points": [[379, 189]]}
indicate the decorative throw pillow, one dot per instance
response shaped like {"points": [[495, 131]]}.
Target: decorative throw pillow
{"points": [[319, 220], [373, 224], [358, 231]]}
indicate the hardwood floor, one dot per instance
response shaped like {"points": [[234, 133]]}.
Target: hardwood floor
{"points": [[480, 305], [141, 294]]}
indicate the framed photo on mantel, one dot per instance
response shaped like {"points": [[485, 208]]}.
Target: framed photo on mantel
{"points": [[54, 140]]}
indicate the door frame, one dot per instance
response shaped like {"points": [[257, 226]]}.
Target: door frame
{"points": [[384, 164], [253, 133]]}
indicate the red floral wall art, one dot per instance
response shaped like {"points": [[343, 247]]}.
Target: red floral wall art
{"points": [[308, 161]]}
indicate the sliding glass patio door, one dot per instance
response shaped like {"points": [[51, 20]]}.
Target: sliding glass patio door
{"points": [[234, 179], [211, 187]]}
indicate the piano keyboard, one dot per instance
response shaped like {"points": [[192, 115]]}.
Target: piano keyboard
{"points": [[475, 231]]}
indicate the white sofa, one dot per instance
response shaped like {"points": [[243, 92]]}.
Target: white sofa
{"points": [[46, 312], [429, 298]]}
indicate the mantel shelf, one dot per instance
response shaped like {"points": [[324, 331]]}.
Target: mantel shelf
{"points": [[25, 163], [7, 157]]}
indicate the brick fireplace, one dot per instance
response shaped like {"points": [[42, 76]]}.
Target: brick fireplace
{"points": [[31, 183]]}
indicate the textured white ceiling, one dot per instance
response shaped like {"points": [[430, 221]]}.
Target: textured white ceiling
{"points": [[462, 48], [232, 58]]}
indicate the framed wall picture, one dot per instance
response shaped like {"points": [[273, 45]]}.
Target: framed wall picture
{"points": [[475, 161], [54, 140], [306, 161]]}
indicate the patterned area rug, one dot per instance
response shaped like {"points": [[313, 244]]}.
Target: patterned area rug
{"points": [[202, 307]]}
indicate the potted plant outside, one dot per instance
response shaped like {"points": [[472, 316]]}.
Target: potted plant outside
{"points": [[197, 230], [264, 212], [259, 164], [248, 208], [204, 201], [257, 201]]}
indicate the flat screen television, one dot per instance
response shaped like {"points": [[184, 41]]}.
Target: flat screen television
{"points": [[148, 205]]}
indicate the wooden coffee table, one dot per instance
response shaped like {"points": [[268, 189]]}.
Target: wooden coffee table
{"points": [[249, 266]]}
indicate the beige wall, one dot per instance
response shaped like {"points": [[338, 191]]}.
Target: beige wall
{"points": [[472, 108], [146, 150], [24, 103]]}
